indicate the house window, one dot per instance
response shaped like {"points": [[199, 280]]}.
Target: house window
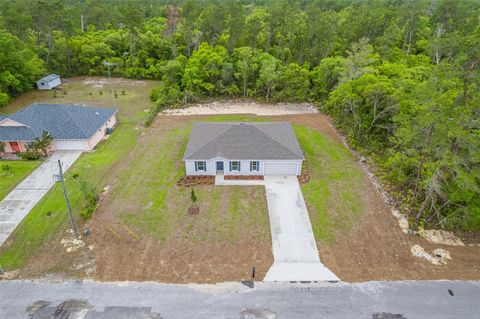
{"points": [[200, 166], [234, 166], [254, 166]]}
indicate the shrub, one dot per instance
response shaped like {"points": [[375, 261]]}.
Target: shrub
{"points": [[163, 97], [90, 196], [7, 169], [29, 155]]}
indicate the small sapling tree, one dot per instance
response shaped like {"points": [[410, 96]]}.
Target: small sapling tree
{"points": [[194, 209], [43, 143]]}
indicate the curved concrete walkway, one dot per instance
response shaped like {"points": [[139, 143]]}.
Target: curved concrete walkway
{"points": [[294, 248], [19, 202]]}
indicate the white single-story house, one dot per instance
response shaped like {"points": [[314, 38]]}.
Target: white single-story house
{"points": [[262, 148], [49, 82], [72, 127]]}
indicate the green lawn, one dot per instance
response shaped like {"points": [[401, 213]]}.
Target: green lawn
{"points": [[16, 173], [332, 194], [38, 227], [146, 198]]}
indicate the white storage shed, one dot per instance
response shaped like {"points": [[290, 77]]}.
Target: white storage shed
{"points": [[49, 82]]}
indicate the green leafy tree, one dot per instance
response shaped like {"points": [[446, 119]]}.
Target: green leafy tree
{"points": [[19, 67], [364, 107], [325, 76], [268, 74], [360, 60], [43, 143], [193, 197], [246, 65], [203, 71], [293, 83]]}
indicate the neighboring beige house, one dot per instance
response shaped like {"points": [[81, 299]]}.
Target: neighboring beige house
{"points": [[266, 148], [72, 127]]}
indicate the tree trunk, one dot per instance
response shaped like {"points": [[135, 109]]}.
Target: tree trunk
{"points": [[417, 182], [50, 47], [68, 55]]}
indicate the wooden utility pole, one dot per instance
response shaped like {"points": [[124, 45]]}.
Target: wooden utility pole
{"points": [[108, 65], [62, 180]]}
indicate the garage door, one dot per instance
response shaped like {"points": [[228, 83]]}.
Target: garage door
{"points": [[69, 145], [280, 169]]}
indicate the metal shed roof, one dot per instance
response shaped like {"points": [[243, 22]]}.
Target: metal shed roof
{"points": [[49, 78]]}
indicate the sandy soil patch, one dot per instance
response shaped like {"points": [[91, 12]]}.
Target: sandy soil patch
{"points": [[439, 256], [99, 82], [234, 107], [442, 237]]}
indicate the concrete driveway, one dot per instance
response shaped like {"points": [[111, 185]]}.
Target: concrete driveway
{"points": [[294, 248], [20, 201]]}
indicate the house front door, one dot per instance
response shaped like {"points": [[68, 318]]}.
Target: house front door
{"points": [[15, 147], [219, 166]]}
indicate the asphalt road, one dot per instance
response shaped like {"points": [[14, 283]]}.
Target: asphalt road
{"points": [[375, 300]]}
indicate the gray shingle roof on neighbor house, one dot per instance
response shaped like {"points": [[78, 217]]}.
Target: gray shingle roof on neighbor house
{"points": [[235, 140], [63, 122], [49, 78]]}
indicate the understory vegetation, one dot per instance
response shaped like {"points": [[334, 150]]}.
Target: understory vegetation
{"points": [[399, 78]]}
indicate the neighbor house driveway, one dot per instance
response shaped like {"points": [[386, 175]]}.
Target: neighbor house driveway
{"points": [[294, 248], [16, 205]]}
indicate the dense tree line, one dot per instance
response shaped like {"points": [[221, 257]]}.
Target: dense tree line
{"points": [[399, 78]]}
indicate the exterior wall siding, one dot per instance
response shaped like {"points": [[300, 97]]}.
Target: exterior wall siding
{"points": [[48, 85], [8, 148], [10, 122], [83, 145], [100, 134], [190, 168], [244, 167]]}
